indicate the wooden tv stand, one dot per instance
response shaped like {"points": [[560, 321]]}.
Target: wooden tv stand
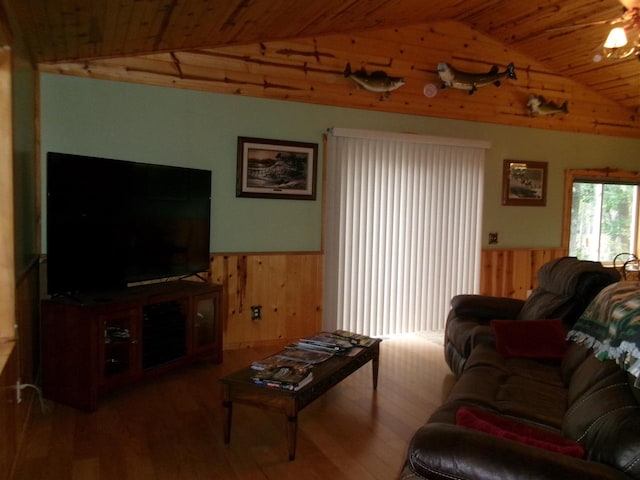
{"points": [[94, 344]]}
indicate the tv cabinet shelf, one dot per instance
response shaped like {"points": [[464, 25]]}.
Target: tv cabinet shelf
{"points": [[93, 344]]}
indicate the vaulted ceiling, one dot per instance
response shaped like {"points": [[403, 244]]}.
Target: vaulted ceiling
{"points": [[255, 46]]}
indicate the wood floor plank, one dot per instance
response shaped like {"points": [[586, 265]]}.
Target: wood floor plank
{"points": [[170, 427]]}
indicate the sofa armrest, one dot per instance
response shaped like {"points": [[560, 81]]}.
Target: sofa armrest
{"points": [[446, 451], [482, 335], [486, 307]]}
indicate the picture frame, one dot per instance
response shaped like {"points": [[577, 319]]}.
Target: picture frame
{"points": [[524, 183], [276, 169]]}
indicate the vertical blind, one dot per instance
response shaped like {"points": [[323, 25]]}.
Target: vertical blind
{"points": [[402, 229]]}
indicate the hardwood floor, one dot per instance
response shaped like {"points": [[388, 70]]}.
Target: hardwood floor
{"points": [[170, 428]]}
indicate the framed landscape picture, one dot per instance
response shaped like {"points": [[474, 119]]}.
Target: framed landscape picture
{"points": [[276, 169], [524, 183]]}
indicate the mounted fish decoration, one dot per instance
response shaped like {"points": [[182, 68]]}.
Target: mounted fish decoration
{"points": [[378, 81], [539, 106], [471, 81]]}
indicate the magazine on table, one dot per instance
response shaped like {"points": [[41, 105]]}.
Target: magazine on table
{"points": [[290, 377], [291, 356], [315, 349], [276, 361], [355, 338], [328, 341], [292, 352], [352, 351], [312, 347]]}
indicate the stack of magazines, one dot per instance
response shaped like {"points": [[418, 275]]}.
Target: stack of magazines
{"points": [[286, 375], [325, 342], [291, 369], [291, 356], [355, 338]]}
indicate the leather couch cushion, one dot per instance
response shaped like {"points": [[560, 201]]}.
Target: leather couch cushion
{"points": [[592, 375], [565, 288], [565, 276], [486, 307], [504, 427], [445, 452], [517, 387], [604, 415], [539, 339], [543, 304], [575, 356], [459, 331]]}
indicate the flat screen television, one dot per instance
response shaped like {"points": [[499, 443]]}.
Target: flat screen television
{"points": [[111, 223]]}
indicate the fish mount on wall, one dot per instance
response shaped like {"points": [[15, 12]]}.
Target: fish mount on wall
{"points": [[539, 106], [377, 82], [471, 81]]}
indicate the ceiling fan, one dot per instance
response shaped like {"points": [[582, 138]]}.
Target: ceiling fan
{"points": [[623, 39]]}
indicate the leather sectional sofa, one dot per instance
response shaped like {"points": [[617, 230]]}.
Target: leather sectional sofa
{"points": [[581, 399], [565, 287], [529, 404]]}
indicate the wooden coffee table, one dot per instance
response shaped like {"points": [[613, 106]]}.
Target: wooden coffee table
{"points": [[238, 388]]}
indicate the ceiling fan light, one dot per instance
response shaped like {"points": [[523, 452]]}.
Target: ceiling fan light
{"points": [[617, 46], [617, 38], [618, 53]]}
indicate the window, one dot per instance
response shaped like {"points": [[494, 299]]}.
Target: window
{"points": [[402, 235], [602, 211]]}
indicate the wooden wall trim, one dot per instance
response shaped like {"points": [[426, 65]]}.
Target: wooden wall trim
{"points": [[288, 287], [7, 236], [513, 272]]}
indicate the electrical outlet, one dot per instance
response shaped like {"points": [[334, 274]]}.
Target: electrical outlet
{"points": [[493, 238], [256, 312]]}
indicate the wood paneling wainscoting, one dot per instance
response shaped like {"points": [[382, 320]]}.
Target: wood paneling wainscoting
{"points": [[288, 287], [513, 272]]}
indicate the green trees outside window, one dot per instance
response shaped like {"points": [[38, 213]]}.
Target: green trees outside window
{"points": [[603, 220]]}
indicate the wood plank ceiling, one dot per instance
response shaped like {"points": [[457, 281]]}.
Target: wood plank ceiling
{"points": [[298, 50]]}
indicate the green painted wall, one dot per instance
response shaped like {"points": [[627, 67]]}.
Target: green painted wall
{"points": [[196, 129]]}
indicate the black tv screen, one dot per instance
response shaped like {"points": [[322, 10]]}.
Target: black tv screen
{"points": [[113, 222]]}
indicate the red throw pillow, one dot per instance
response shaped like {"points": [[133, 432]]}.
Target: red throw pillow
{"points": [[542, 339], [503, 427]]}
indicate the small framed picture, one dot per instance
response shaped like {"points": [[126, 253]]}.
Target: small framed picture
{"points": [[276, 169], [524, 183]]}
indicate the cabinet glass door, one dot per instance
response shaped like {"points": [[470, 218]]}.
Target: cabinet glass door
{"points": [[205, 322], [118, 345]]}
